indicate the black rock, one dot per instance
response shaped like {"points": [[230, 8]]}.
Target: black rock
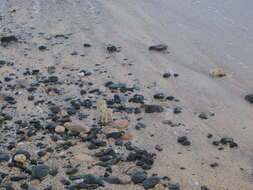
{"points": [[115, 135], [55, 109], [159, 47], [137, 99], [203, 116], [42, 48], [214, 165], [41, 153], [204, 188], [228, 141], [177, 110], [151, 182], [158, 147], [174, 187], [153, 108], [159, 96], [138, 177], [140, 126], [71, 171], [53, 172], [40, 171], [112, 49], [86, 45], [18, 178], [8, 39], [249, 98], [166, 75], [4, 157], [183, 140]]}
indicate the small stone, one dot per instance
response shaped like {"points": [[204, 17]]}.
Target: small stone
{"points": [[159, 148], [138, 177], [214, 165], [71, 171], [174, 187], [140, 126], [177, 110], [86, 45], [21, 156], [59, 129], [249, 98], [183, 140], [4, 157], [8, 39], [159, 47], [76, 127], [153, 108], [203, 116], [40, 171], [217, 73], [17, 178], [151, 182], [166, 75], [159, 96], [120, 124], [204, 188]]}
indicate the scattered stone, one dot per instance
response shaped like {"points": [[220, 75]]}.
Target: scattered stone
{"points": [[204, 188], [183, 140], [71, 171], [76, 127], [40, 171], [140, 126], [86, 45], [203, 116], [166, 75], [4, 157], [159, 96], [153, 108], [59, 129], [158, 148], [174, 187], [214, 165], [8, 39], [151, 182], [249, 98], [159, 47], [138, 177], [217, 73], [228, 141], [112, 49], [21, 156]]}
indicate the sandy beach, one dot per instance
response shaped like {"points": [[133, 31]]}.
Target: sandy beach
{"points": [[69, 55]]}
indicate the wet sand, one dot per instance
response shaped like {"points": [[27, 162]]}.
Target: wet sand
{"points": [[201, 35]]}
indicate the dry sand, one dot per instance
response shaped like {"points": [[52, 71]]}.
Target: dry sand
{"points": [[201, 35]]}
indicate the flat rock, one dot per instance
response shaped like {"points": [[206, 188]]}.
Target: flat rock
{"points": [[40, 171], [76, 127], [153, 108], [138, 177], [151, 182], [159, 47]]}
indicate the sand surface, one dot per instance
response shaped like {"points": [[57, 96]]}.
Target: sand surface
{"points": [[201, 35]]}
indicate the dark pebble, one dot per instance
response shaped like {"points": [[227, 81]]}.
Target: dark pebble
{"points": [[153, 108], [71, 171], [138, 177], [174, 187], [151, 182], [183, 140], [40, 171], [249, 98], [159, 47]]}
